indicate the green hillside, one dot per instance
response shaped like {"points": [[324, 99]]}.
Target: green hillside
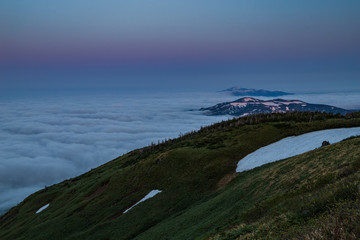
{"points": [[312, 195]]}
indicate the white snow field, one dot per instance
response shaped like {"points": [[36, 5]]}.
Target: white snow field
{"points": [[42, 208], [150, 195], [292, 146]]}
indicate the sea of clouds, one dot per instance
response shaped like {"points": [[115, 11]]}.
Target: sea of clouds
{"points": [[44, 140], [47, 139]]}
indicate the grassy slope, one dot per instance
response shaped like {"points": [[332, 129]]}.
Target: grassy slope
{"points": [[315, 195], [188, 171]]}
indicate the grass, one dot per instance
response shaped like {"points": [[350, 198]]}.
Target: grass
{"points": [[192, 205], [319, 198]]}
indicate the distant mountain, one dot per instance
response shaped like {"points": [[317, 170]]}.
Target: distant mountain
{"points": [[237, 91], [248, 106]]}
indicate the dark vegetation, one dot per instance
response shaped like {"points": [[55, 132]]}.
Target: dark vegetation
{"points": [[309, 196]]}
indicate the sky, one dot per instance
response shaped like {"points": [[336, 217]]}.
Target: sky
{"points": [[205, 44]]}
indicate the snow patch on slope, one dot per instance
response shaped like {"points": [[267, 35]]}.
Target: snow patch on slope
{"points": [[247, 99], [236, 104], [292, 146], [292, 102], [42, 208], [270, 104], [150, 195]]}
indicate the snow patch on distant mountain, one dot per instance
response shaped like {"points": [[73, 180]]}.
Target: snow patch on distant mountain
{"points": [[248, 105], [238, 104]]}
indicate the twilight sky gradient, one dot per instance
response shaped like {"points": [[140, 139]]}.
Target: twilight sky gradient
{"points": [[180, 42]]}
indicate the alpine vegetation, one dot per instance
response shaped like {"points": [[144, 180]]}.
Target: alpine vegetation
{"points": [[202, 196]]}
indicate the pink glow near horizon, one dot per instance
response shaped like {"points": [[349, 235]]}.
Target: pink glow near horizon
{"points": [[146, 51], [138, 32]]}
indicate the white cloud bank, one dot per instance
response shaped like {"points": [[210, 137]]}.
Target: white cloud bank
{"points": [[44, 140]]}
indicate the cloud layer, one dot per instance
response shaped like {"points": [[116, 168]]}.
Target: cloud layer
{"points": [[44, 140]]}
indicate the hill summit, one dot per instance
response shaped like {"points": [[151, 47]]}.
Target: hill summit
{"points": [[249, 106], [239, 91], [187, 188]]}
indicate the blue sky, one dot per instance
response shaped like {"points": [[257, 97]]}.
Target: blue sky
{"points": [[180, 43]]}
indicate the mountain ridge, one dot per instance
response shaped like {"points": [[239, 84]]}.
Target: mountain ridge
{"points": [[196, 201], [239, 91], [249, 106]]}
